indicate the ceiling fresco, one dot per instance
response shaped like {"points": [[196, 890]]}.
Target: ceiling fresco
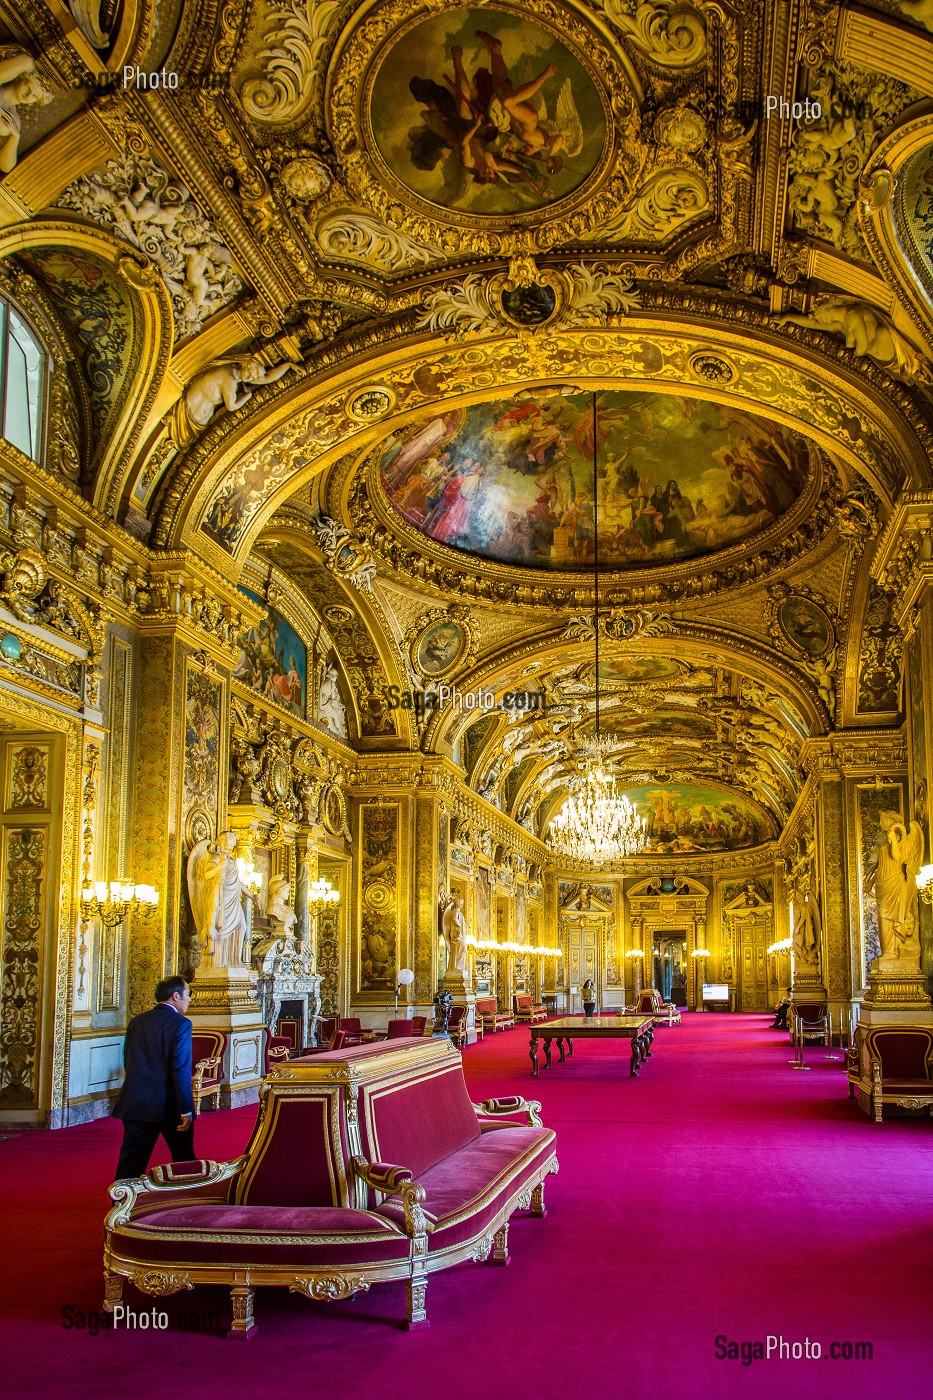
{"points": [[484, 112], [698, 818], [513, 482], [915, 210]]}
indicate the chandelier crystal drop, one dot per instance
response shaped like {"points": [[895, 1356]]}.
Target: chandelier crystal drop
{"points": [[597, 823]]}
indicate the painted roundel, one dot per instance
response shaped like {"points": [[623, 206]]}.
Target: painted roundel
{"points": [[481, 111], [512, 480]]}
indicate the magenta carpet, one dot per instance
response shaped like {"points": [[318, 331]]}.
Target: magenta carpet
{"points": [[720, 1195]]}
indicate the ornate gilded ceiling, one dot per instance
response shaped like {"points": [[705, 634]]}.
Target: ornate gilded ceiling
{"points": [[330, 312]]}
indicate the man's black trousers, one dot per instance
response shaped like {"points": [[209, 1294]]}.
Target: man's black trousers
{"points": [[140, 1138]]}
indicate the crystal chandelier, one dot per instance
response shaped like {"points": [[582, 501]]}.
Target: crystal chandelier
{"points": [[597, 823]]}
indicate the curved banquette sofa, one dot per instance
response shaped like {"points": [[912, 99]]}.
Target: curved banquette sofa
{"points": [[366, 1164]]}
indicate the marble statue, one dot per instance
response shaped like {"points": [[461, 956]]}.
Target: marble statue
{"points": [[20, 86], [278, 908], [900, 855], [455, 933], [216, 893], [142, 202], [866, 331], [222, 383], [807, 929], [330, 707]]}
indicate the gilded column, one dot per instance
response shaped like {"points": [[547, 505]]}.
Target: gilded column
{"points": [[901, 975]]}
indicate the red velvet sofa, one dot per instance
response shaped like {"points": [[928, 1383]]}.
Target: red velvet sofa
{"points": [[892, 1065], [493, 1019], [527, 1010], [366, 1164]]}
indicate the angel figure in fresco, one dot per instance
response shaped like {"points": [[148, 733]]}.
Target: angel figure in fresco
{"points": [[496, 130]]}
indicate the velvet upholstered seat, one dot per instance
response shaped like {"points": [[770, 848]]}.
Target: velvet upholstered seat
{"points": [[892, 1065], [651, 1003], [365, 1165]]}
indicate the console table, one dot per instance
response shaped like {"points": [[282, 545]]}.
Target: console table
{"points": [[638, 1029]]}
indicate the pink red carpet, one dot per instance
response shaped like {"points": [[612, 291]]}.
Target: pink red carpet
{"points": [[719, 1196]]}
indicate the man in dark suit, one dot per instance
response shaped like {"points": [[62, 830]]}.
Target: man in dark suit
{"points": [[156, 1094]]}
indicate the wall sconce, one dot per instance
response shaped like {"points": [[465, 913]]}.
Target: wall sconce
{"points": [[925, 883], [320, 895], [784, 945], [250, 877], [701, 953], [112, 902], [635, 953], [404, 978]]}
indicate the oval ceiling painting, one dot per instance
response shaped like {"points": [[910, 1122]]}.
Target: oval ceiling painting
{"points": [[695, 818], [512, 480], [481, 111]]}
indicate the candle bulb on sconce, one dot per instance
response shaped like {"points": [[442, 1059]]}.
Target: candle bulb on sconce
{"points": [[924, 879], [112, 901], [250, 877], [320, 895]]}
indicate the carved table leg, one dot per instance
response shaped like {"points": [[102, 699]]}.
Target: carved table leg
{"points": [[416, 1313], [538, 1207], [533, 1055], [649, 1040], [244, 1326], [569, 1047], [500, 1246], [560, 1049], [636, 1058], [548, 1046]]}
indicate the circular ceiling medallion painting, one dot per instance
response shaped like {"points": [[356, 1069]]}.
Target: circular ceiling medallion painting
{"points": [[806, 625], [482, 112], [512, 481]]}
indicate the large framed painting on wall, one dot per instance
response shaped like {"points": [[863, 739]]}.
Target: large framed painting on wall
{"points": [[274, 660]]}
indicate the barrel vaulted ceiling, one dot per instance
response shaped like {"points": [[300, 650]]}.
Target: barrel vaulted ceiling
{"points": [[349, 311]]}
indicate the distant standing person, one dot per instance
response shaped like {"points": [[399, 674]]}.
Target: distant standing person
{"points": [[588, 992], [156, 1094]]}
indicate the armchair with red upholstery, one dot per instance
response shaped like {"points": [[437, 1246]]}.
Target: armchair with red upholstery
{"points": [[396, 1029], [457, 1024], [651, 1003], [278, 1050], [892, 1065], [492, 1018], [810, 1021], [527, 1010], [207, 1060]]}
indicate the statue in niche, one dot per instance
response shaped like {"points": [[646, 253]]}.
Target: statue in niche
{"points": [[216, 893], [330, 707], [20, 86], [894, 881], [807, 929], [455, 935], [278, 909]]}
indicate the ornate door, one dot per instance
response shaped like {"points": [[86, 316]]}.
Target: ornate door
{"points": [[583, 952], [754, 935]]}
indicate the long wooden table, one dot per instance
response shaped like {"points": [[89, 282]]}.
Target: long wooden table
{"points": [[638, 1029]]}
